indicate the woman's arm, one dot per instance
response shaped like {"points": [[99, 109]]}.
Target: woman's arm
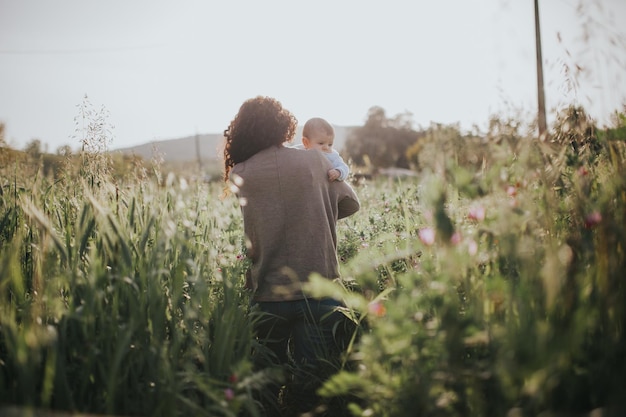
{"points": [[348, 200]]}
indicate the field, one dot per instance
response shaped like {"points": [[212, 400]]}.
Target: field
{"points": [[490, 289]]}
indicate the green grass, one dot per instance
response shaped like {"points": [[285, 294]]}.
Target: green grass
{"points": [[127, 298]]}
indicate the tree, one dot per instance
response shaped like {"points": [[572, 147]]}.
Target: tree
{"points": [[33, 148], [440, 144], [2, 130], [64, 150], [382, 141]]}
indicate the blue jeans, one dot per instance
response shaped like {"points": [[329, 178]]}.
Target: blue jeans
{"points": [[308, 334]]}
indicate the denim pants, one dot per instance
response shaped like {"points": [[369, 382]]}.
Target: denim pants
{"points": [[303, 331], [308, 334]]}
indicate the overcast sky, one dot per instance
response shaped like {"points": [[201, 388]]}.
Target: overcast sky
{"points": [[169, 69]]}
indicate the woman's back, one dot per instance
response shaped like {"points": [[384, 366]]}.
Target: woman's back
{"points": [[290, 210]]}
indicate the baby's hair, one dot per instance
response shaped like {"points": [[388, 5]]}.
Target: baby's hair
{"points": [[315, 126]]}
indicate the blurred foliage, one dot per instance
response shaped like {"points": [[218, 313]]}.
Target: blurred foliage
{"points": [[514, 309], [123, 301], [490, 284], [382, 141]]}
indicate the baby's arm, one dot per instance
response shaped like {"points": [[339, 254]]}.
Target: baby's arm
{"points": [[340, 169]]}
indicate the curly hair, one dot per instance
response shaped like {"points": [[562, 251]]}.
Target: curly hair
{"points": [[260, 123]]}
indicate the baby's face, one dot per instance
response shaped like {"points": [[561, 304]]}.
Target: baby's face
{"points": [[321, 142]]}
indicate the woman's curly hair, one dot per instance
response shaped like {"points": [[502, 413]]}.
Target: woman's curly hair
{"points": [[260, 123]]}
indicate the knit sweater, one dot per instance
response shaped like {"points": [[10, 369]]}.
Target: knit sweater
{"points": [[335, 160], [290, 211]]}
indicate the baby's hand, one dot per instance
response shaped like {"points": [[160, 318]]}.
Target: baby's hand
{"points": [[333, 174]]}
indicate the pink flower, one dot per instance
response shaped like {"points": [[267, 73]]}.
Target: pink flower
{"points": [[472, 247], [456, 238], [511, 191], [229, 394], [476, 213], [582, 171], [377, 309], [592, 219], [427, 235]]}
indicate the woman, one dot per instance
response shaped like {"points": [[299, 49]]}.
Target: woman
{"points": [[290, 210]]}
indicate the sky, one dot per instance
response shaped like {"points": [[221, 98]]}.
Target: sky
{"points": [[159, 69]]}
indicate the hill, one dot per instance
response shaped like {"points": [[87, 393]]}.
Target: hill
{"points": [[207, 145], [179, 150]]}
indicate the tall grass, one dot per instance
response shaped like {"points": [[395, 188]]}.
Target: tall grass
{"points": [[123, 303], [507, 300], [122, 299], [484, 290]]}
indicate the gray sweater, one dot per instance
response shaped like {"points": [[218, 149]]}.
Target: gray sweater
{"points": [[290, 211], [336, 161]]}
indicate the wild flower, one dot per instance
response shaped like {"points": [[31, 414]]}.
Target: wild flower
{"points": [[229, 394], [593, 219], [427, 235], [456, 238], [377, 309], [511, 191], [472, 247], [477, 213]]}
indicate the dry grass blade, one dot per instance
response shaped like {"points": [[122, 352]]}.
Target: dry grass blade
{"points": [[114, 225], [46, 226]]}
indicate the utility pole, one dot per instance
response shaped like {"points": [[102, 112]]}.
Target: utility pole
{"points": [[541, 100]]}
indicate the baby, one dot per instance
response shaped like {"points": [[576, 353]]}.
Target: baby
{"points": [[319, 134]]}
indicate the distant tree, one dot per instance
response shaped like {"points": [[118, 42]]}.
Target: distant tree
{"points": [[382, 141], [2, 130], [64, 150], [52, 165], [33, 148], [441, 144]]}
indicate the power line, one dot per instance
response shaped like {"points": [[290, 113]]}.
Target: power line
{"points": [[75, 51]]}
